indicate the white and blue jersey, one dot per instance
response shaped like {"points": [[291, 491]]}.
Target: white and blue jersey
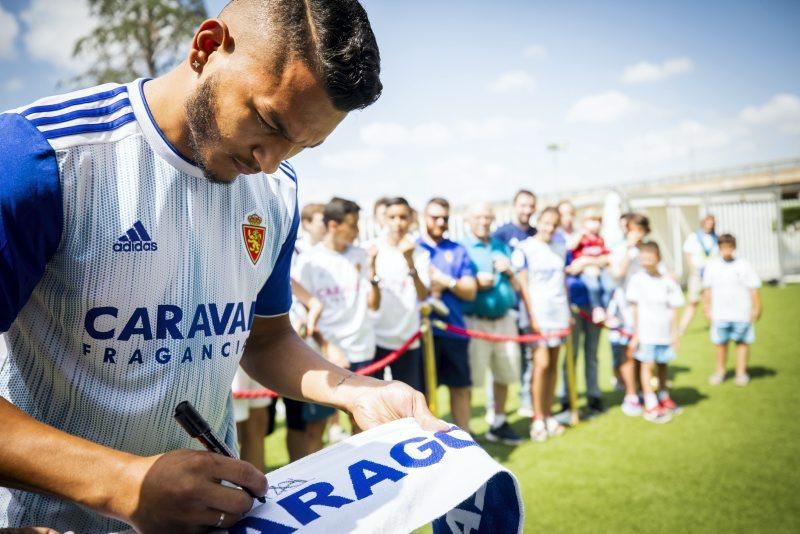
{"points": [[128, 281]]}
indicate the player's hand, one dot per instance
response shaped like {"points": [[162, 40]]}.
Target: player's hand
{"points": [[676, 343], [379, 402], [534, 324], [633, 344], [407, 248], [503, 265], [755, 316], [485, 280], [180, 491]]}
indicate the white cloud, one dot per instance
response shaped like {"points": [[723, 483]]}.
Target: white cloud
{"points": [[678, 141], [359, 159], [605, 107], [8, 32], [53, 30], [782, 110], [497, 127], [13, 85], [535, 51], [431, 133], [516, 80], [384, 134], [645, 72]]}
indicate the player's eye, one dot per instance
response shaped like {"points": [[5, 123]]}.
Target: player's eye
{"points": [[264, 125]]}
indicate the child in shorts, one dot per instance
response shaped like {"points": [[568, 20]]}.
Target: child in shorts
{"points": [[654, 299], [733, 305]]}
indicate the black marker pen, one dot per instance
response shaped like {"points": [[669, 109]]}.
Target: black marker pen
{"points": [[197, 427]]}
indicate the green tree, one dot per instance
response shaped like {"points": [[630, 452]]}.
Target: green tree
{"points": [[135, 38]]}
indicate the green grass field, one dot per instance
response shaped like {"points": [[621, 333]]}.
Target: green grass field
{"points": [[728, 463]]}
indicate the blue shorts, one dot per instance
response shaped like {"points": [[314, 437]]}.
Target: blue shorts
{"points": [[738, 332], [655, 353]]}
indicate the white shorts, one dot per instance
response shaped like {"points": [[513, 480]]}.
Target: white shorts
{"points": [[503, 357], [241, 407]]}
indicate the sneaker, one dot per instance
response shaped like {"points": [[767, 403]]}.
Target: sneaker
{"points": [[668, 405], [716, 379], [525, 411], [538, 431], [503, 434], [632, 408], [595, 405], [741, 380], [657, 415], [598, 315], [554, 428], [337, 434]]}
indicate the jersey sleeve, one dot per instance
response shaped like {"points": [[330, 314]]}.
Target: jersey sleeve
{"points": [[676, 299], [275, 298], [467, 268], [31, 212]]}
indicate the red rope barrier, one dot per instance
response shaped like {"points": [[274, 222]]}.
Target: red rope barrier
{"points": [[368, 370], [622, 331], [525, 338]]}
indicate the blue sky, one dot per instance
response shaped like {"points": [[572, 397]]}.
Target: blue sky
{"points": [[475, 91]]}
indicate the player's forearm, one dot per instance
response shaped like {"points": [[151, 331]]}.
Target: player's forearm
{"points": [[466, 288], [419, 286], [282, 361], [374, 297], [39, 458]]}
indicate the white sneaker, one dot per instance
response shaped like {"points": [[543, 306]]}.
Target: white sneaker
{"points": [[631, 408], [554, 428], [716, 379], [538, 431], [525, 411], [742, 380]]}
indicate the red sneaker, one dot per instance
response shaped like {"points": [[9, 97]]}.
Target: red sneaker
{"points": [[669, 405]]}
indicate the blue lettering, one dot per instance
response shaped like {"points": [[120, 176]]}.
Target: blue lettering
{"points": [[452, 441], [136, 357], [207, 352], [220, 322], [300, 508], [108, 355], [163, 355], [187, 355], [139, 315], [226, 349], [260, 525], [238, 319], [399, 454], [167, 319], [91, 318], [363, 484], [199, 322], [251, 316], [86, 349]]}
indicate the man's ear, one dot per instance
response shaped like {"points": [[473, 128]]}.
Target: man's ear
{"points": [[212, 35]]}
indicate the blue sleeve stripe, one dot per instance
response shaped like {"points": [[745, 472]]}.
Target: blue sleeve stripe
{"points": [[83, 113], [90, 128], [75, 101], [288, 171]]}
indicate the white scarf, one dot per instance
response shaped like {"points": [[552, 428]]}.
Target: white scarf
{"points": [[391, 479]]}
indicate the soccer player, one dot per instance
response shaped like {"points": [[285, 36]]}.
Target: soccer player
{"points": [[654, 299], [452, 279], [733, 306], [402, 268], [146, 232]]}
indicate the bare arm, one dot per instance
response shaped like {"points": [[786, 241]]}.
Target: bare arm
{"points": [[466, 288], [707, 303], [374, 295], [755, 297]]}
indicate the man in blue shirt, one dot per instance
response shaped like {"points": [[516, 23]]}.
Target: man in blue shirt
{"points": [[492, 312], [513, 233], [453, 282]]}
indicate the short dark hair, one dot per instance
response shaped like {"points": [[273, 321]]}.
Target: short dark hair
{"points": [[726, 239], [525, 192], [333, 37], [338, 208], [378, 203], [627, 216], [309, 210], [650, 246], [396, 201], [639, 220], [439, 201]]}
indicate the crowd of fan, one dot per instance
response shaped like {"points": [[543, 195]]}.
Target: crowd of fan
{"points": [[359, 302]]}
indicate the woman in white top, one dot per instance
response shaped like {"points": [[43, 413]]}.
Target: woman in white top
{"points": [[541, 263]]}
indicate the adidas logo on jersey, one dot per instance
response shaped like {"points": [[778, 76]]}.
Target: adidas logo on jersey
{"points": [[136, 239]]}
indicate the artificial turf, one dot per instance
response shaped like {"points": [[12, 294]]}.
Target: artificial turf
{"points": [[728, 463]]}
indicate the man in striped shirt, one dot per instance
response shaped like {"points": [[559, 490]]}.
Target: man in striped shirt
{"points": [[146, 233]]}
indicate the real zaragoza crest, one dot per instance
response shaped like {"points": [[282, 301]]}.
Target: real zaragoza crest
{"points": [[253, 234]]}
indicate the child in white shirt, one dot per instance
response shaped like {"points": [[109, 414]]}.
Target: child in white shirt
{"points": [[733, 305], [654, 299]]}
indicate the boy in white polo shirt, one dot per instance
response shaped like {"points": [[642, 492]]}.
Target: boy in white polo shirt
{"points": [[733, 305], [654, 299]]}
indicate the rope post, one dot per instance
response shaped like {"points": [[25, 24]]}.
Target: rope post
{"points": [[429, 358], [573, 393]]}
